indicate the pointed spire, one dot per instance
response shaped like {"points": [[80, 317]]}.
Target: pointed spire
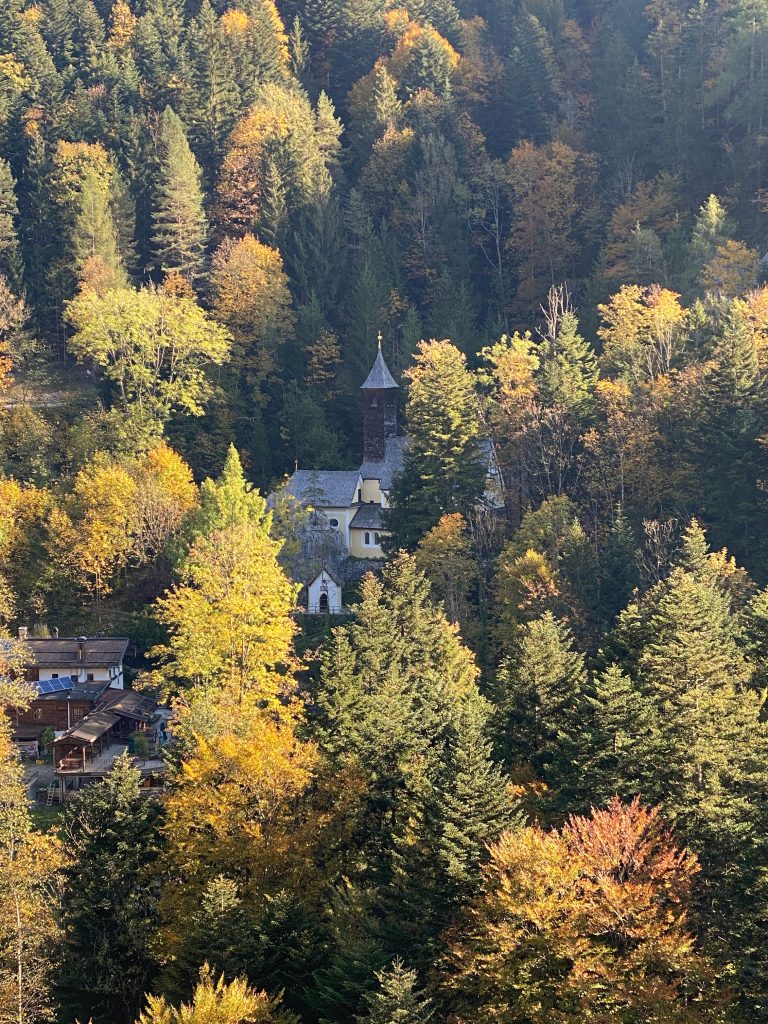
{"points": [[379, 379]]}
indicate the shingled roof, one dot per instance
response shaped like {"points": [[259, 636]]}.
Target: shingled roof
{"points": [[334, 488], [367, 517], [60, 651], [379, 379]]}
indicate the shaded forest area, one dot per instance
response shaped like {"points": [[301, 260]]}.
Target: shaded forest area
{"points": [[527, 780]]}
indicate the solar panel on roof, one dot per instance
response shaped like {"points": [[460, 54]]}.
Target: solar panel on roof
{"points": [[55, 685]]}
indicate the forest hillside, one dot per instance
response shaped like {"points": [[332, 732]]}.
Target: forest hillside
{"points": [[520, 773]]}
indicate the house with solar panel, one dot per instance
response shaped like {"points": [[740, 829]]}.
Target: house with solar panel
{"points": [[72, 675], [352, 502]]}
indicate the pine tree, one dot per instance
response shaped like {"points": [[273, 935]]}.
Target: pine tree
{"points": [[443, 470], [11, 265], [108, 900], [180, 227], [397, 999]]}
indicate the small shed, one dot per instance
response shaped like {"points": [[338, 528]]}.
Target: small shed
{"points": [[324, 594], [82, 745]]}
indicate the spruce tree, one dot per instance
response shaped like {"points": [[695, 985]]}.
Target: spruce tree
{"points": [[535, 694], [617, 569], [615, 719], [216, 94], [180, 228], [711, 229], [472, 806], [568, 370], [11, 265], [396, 1000], [108, 900], [443, 470]]}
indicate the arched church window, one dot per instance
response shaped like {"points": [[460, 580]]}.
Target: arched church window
{"points": [[367, 538]]}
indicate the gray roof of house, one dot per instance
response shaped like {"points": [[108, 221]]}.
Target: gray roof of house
{"points": [[379, 379], [326, 488], [386, 469], [367, 517], [88, 692], [97, 651]]}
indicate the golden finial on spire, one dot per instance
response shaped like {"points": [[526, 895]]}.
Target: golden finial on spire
{"points": [[379, 340]]}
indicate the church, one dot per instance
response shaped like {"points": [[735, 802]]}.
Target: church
{"points": [[347, 505]]}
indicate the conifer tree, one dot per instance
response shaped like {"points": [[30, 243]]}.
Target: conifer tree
{"points": [[217, 1002], [95, 238], [396, 1000], [614, 721], [617, 569], [472, 806], [180, 230], [216, 93], [109, 902], [10, 252], [535, 693], [568, 369], [443, 470], [711, 229]]}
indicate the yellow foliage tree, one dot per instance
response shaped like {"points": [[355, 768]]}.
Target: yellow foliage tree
{"points": [[641, 332], [230, 615], [549, 189], [281, 129], [216, 1002], [165, 495], [732, 270], [446, 558], [233, 807], [250, 295], [104, 509]]}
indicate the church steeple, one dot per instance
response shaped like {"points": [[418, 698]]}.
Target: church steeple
{"points": [[379, 409]]}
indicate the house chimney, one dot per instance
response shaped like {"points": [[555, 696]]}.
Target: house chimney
{"points": [[81, 648], [23, 632]]}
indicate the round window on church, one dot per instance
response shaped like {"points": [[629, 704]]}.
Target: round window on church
{"points": [[334, 522]]}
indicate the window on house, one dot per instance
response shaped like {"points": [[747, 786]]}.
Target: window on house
{"points": [[54, 675], [376, 538], [37, 712], [359, 494], [367, 538], [89, 677], [334, 522], [78, 713], [374, 401]]}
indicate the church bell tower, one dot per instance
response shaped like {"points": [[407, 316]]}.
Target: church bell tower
{"points": [[379, 409]]}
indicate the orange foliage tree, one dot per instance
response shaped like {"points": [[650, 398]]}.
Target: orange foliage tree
{"points": [[585, 923]]}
